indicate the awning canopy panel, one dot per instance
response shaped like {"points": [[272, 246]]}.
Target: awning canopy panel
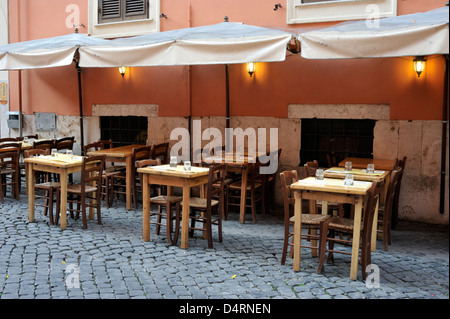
{"points": [[224, 43], [407, 35], [45, 53]]}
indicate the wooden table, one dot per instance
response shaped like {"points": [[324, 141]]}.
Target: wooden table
{"points": [[241, 166], [171, 177], [60, 165], [121, 154], [381, 176], [379, 164], [330, 190]]}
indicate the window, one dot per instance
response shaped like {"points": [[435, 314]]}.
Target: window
{"points": [[307, 11], [122, 18], [346, 138], [122, 10], [124, 130]]}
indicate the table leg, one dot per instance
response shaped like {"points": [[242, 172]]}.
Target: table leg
{"points": [[375, 227], [297, 229], [146, 209], [30, 191], [63, 200], [243, 193], [313, 210], [128, 182], [356, 237], [185, 217]]}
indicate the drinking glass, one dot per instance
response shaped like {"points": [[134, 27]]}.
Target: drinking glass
{"points": [[173, 161], [348, 166], [348, 181], [187, 166], [319, 174], [70, 154], [370, 168], [53, 152]]}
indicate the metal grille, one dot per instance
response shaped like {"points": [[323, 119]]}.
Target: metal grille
{"points": [[346, 138], [124, 130]]}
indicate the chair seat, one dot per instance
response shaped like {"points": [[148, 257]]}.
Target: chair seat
{"points": [[200, 203], [162, 199], [77, 189], [311, 219], [48, 185], [237, 185], [7, 171], [341, 223], [227, 181]]}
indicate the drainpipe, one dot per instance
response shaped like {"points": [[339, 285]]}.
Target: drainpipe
{"points": [[444, 137], [190, 93], [20, 71]]}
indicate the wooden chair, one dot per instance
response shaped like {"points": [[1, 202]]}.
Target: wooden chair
{"points": [[138, 153], [331, 158], [44, 144], [255, 190], [270, 179], [9, 170], [161, 151], [401, 164], [33, 136], [9, 140], [44, 183], [89, 188], [107, 175], [163, 201], [309, 221], [385, 210], [207, 206], [65, 143], [334, 225]]}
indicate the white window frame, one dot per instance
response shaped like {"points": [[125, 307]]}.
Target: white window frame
{"points": [[124, 28], [298, 12]]}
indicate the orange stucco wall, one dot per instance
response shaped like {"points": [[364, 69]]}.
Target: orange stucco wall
{"points": [[202, 88]]}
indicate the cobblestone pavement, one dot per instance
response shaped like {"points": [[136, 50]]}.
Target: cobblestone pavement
{"points": [[39, 261]]}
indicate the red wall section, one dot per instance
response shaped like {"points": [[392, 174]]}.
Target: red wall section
{"points": [[268, 93]]}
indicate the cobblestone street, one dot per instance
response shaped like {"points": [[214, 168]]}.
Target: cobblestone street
{"points": [[39, 261]]}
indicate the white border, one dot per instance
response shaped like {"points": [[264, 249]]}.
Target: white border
{"points": [[123, 28], [298, 12]]}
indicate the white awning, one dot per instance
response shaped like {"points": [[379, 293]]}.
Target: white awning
{"points": [[224, 43], [416, 34], [45, 53]]}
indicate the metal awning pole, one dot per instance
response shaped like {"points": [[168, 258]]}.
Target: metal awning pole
{"points": [[444, 137], [80, 101]]}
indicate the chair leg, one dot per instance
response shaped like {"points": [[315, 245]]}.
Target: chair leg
{"points": [[322, 245], [285, 244], [49, 205]]}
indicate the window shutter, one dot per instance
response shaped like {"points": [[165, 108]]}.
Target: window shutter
{"points": [[135, 9], [109, 11]]}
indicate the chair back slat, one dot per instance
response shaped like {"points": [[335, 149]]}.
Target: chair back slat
{"points": [[161, 151]]}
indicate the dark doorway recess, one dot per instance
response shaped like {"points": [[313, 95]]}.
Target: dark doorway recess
{"points": [[124, 130], [344, 137]]}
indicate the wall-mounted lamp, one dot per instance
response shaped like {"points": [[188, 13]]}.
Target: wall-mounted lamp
{"points": [[251, 68], [278, 5], [419, 65], [122, 70]]}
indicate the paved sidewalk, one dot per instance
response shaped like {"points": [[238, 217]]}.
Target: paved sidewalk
{"points": [[39, 261]]}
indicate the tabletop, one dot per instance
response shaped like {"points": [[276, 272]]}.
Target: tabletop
{"points": [[178, 171], [358, 173], [120, 151], [60, 160], [379, 164], [332, 185]]}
